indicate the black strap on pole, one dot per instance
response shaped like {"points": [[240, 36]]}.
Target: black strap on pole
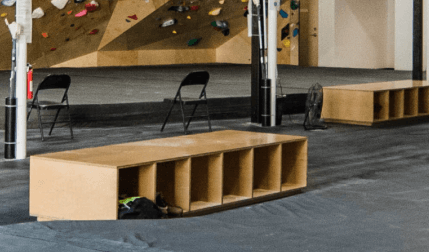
{"points": [[255, 101], [10, 113], [418, 40]]}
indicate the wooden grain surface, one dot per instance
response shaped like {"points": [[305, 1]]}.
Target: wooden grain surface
{"points": [[130, 154]]}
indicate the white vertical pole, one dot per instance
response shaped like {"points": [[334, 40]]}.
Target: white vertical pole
{"points": [[21, 97], [272, 54]]}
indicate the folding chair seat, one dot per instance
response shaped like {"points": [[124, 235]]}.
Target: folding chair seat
{"points": [[51, 82], [199, 78]]}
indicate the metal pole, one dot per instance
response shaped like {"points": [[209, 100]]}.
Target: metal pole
{"points": [[21, 95], [256, 66], [418, 40], [272, 55]]}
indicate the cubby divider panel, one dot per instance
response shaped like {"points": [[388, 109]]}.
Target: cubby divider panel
{"points": [[411, 102], [267, 170], [138, 181], [381, 105], [423, 100], [294, 165], [396, 104], [173, 182], [206, 181], [237, 175]]}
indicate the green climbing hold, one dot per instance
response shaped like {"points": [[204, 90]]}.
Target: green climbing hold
{"points": [[294, 4], [194, 41]]}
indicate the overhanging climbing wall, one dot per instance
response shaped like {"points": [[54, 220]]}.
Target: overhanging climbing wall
{"points": [[139, 32]]}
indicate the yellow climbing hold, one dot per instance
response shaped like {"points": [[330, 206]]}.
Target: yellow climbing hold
{"points": [[3, 14], [244, 1], [175, 32], [188, 17], [286, 43], [221, 1], [215, 12]]}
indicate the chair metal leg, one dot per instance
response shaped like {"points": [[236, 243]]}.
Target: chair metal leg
{"points": [[183, 117], [190, 118], [208, 117], [40, 124], [55, 119], [168, 115], [70, 123], [29, 112]]}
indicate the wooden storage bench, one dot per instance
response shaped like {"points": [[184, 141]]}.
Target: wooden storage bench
{"points": [[367, 104], [199, 173]]}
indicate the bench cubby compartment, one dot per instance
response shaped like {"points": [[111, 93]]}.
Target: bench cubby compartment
{"points": [[206, 181], [266, 170], [173, 182], [424, 100], [411, 97], [396, 104], [381, 106], [294, 160], [238, 175], [138, 181]]}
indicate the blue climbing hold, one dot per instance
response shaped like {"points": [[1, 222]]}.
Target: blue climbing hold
{"points": [[283, 14], [295, 32]]}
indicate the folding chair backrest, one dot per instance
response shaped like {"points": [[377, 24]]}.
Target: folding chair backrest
{"points": [[196, 78], [61, 81]]}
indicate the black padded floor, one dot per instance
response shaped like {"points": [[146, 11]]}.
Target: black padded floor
{"points": [[367, 191]]}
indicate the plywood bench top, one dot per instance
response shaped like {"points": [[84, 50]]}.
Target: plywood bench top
{"points": [[166, 149], [382, 86]]}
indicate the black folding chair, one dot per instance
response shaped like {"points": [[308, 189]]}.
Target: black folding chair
{"points": [[49, 83], [192, 79]]}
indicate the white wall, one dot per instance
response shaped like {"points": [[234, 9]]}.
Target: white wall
{"points": [[327, 33], [356, 33], [403, 35]]}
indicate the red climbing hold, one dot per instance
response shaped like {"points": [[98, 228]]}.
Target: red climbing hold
{"points": [[95, 31], [133, 17], [53, 49], [195, 7]]}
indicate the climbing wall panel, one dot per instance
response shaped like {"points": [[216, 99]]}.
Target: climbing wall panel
{"points": [[120, 21], [89, 60], [288, 33], [237, 50]]}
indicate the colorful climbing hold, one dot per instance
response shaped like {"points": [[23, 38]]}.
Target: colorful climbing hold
{"points": [[92, 6], [3, 14], [168, 22], [95, 31], [53, 48], [67, 39], [285, 32], [193, 42], [225, 32], [194, 7], [63, 14], [133, 17], [295, 32], [188, 17], [174, 32], [8, 3], [60, 4], [221, 1], [215, 12], [45, 34], [71, 25], [294, 4], [81, 13], [69, 12], [79, 1], [246, 13], [178, 8], [286, 42], [127, 20], [244, 1], [283, 14], [37, 13]]}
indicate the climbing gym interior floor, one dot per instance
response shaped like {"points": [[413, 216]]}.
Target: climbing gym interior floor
{"points": [[367, 186]]}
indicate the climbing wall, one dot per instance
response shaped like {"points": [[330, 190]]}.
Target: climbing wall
{"points": [[288, 33], [143, 32]]}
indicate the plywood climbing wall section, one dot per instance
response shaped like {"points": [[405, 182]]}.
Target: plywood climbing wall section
{"points": [[138, 32], [288, 33]]}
